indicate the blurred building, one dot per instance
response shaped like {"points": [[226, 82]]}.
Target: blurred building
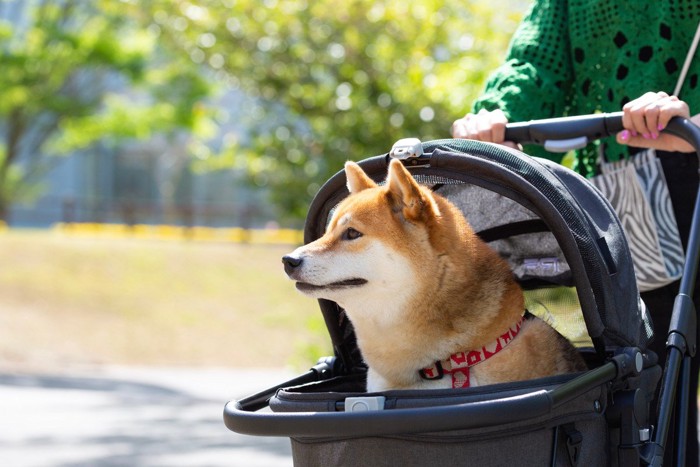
{"points": [[145, 182], [137, 182]]}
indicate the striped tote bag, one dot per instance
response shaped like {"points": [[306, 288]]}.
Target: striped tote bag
{"points": [[637, 190]]}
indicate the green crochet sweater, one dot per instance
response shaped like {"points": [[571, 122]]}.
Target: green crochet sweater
{"points": [[583, 56]]}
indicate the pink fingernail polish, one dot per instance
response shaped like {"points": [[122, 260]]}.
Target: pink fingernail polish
{"points": [[646, 135], [624, 135], [660, 127], [654, 135]]}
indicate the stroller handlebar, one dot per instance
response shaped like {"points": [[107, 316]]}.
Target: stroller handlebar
{"points": [[565, 133], [564, 128]]}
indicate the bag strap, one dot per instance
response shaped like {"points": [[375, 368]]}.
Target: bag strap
{"points": [[688, 60]]}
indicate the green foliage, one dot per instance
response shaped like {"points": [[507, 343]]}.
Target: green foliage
{"points": [[330, 82], [324, 81], [74, 73]]}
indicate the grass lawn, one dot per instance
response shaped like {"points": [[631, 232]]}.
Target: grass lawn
{"points": [[67, 301]]}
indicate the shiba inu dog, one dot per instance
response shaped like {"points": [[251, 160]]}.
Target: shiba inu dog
{"points": [[432, 305]]}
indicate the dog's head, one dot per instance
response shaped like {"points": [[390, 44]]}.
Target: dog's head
{"points": [[378, 240]]}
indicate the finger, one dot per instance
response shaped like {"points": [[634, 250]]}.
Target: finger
{"points": [[484, 126], [651, 119], [457, 130], [460, 127], [633, 113], [673, 107], [642, 112], [665, 142], [638, 125], [498, 126], [658, 113], [627, 124]]}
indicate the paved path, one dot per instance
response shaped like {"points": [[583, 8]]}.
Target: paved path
{"points": [[131, 417]]}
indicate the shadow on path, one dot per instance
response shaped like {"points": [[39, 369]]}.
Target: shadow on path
{"points": [[122, 420]]}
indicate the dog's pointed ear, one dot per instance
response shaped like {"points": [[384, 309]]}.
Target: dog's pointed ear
{"points": [[407, 196], [357, 179]]}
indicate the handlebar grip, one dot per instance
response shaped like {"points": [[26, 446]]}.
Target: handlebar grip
{"points": [[593, 126]]}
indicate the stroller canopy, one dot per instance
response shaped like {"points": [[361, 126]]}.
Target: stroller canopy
{"points": [[553, 227]]}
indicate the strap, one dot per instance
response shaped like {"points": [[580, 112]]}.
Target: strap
{"points": [[500, 232], [688, 60], [573, 443], [458, 364]]}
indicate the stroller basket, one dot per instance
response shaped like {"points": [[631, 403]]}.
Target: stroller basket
{"points": [[562, 239]]}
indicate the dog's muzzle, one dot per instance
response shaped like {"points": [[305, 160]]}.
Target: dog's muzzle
{"points": [[292, 266]]}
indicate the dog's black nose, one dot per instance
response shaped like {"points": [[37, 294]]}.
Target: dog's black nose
{"points": [[291, 263]]}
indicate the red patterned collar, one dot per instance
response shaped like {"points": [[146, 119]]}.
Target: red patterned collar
{"points": [[459, 363]]}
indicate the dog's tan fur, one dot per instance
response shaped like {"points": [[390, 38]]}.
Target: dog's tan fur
{"points": [[419, 285]]}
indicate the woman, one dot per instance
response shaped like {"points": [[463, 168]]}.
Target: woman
{"points": [[586, 56]]}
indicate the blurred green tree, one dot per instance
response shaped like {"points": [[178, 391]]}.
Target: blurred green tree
{"points": [[330, 81], [75, 73], [325, 81]]}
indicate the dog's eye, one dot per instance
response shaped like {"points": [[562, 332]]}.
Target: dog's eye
{"points": [[351, 234]]}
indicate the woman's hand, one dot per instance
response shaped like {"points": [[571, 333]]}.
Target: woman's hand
{"points": [[483, 126], [645, 117]]}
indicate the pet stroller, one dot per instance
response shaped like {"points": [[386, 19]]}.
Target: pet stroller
{"points": [[566, 248]]}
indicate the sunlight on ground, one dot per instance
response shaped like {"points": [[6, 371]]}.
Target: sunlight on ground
{"points": [[148, 302]]}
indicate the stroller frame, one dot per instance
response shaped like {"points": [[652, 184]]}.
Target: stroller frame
{"points": [[681, 343], [563, 134]]}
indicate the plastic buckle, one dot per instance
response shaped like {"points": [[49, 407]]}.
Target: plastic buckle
{"points": [[364, 404], [433, 372], [406, 148]]}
